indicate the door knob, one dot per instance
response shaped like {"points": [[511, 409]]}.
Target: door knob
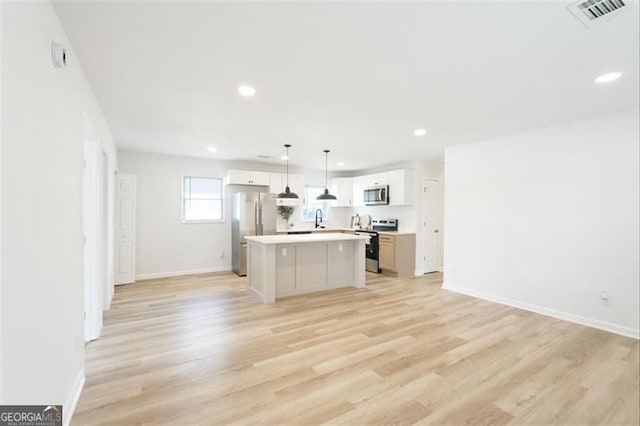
{"points": [[436, 231]]}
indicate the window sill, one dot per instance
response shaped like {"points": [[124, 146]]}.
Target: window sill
{"points": [[190, 222]]}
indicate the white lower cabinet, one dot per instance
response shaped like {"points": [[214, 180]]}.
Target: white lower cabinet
{"points": [[311, 270], [286, 269], [300, 268], [341, 261]]}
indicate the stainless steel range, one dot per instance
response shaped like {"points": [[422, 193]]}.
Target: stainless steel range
{"points": [[372, 250]]}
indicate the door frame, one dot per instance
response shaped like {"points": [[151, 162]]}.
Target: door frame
{"points": [[94, 223], [439, 259]]}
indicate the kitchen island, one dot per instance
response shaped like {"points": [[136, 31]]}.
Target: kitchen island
{"points": [[287, 265]]}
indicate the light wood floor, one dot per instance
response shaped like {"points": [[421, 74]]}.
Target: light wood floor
{"points": [[200, 350]]}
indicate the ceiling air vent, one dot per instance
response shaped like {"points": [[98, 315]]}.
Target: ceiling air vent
{"points": [[592, 12]]}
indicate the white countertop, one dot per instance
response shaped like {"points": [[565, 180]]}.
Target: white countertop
{"points": [[329, 230], [282, 231], [305, 238]]}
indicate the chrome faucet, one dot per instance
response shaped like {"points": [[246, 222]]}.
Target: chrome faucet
{"points": [[318, 223]]}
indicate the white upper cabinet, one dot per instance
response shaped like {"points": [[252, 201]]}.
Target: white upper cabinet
{"points": [[376, 179], [342, 188], [362, 182], [348, 190], [400, 187], [359, 184], [247, 177]]}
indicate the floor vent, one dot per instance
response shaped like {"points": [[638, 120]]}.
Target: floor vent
{"points": [[592, 12]]}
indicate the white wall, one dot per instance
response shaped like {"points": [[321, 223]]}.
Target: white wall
{"points": [[42, 252], [547, 220], [164, 245]]}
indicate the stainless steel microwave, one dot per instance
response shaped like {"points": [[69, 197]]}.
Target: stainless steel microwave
{"points": [[376, 195]]}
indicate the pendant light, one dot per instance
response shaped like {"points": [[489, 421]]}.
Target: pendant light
{"points": [[326, 195], [287, 192]]}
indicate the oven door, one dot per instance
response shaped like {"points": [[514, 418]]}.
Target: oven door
{"points": [[372, 248], [371, 252]]}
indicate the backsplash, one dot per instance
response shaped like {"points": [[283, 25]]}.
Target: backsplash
{"points": [[338, 218]]}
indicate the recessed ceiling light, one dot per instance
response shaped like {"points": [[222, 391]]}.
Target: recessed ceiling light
{"points": [[340, 163], [420, 132], [607, 78], [284, 158], [246, 90], [212, 149]]}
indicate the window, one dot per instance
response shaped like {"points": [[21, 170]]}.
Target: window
{"points": [[311, 204], [201, 199]]}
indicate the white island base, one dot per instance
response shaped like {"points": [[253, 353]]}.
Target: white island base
{"points": [[287, 265]]}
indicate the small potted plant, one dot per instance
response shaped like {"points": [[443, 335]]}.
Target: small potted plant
{"points": [[285, 213]]}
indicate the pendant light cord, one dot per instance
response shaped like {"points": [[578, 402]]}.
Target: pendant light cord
{"points": [[326, 168]]}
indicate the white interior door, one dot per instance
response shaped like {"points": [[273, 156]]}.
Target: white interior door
{"points": [[125, 229], [431, 223]]}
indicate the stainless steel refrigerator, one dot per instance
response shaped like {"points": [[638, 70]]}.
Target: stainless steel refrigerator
{"points": [[253, 213]]}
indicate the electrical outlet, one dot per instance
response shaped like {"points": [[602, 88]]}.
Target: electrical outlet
{"points": [[221, 254], [604, 295]]}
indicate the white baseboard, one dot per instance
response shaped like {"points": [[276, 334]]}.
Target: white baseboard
{"points": [[156, 275], [72, 399], [419, 272], [589, 322], [107, 305]]}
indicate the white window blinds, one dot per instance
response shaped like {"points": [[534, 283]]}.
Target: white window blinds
{"points": [[202, 199]]}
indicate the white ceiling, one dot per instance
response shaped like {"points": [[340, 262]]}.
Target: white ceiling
{"points": [[356, 78]]}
